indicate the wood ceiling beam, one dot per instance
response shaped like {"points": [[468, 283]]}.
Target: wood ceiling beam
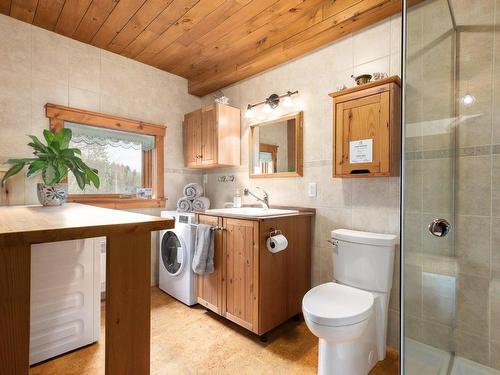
{"points": [[229, 51], [243, 26], [327, 31], [158, 26], [23, 10], [96, 14], [195, 15], [121, 14], [5, 7], [137, 24], [47, 13], [71, 15]]}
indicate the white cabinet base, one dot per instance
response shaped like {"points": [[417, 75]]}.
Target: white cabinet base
{"points": [[65, 297]]}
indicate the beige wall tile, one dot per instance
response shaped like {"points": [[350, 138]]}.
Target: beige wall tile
{"points": [[472, 244], [473, 186], [472, 304]]}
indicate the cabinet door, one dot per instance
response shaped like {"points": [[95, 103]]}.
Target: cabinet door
{"points": [[365, 118], [241, 272], [209, 286], [209, 135], [192, 139]]}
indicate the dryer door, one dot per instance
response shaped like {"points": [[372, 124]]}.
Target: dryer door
{"points": [[173, 253]]}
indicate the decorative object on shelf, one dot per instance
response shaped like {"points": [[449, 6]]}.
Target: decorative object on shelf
{"points": [[362, 79], [53, 161], [272, 102], [221, 98], [379, 75], [341, 87], [144, 193]]}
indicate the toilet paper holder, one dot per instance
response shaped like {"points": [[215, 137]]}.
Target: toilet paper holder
{"points": [[274, 232]]}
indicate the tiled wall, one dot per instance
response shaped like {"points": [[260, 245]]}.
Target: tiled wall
{"points": [[38, 66], [452, 284], [370, 204]]}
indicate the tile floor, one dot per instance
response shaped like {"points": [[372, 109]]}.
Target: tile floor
{"points": [[193, 341]]}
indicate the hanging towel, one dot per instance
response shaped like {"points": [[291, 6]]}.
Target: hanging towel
{"points": [[193, 190], [201, 204], [184, 205], [203, 260]]}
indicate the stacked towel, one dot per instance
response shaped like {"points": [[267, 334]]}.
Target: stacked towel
{"points": [[184, 205], [193, 191], [193, 199], [201, 204]]}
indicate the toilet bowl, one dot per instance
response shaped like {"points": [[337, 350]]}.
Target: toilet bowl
{"points": [[349, 316], [342, 318]]}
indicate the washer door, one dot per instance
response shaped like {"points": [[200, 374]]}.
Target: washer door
{"points": [[173, 253]]}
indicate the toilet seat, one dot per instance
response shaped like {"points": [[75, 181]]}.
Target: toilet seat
{"points": [[337, 305]]}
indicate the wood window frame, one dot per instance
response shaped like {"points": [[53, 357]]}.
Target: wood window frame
{"points": [[154, 159]]}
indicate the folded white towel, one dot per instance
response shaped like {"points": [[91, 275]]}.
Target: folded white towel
{"points": [[201, 204], [184, 205], [203, 259], [193, 190]]}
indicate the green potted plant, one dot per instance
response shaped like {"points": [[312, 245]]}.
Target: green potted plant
{"points": [[53, 161]]}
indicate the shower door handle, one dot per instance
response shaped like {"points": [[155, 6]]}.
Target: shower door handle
{"points": [[439, 227]]}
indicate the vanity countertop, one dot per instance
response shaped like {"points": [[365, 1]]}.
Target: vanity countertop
{"points": [[299, 211]]}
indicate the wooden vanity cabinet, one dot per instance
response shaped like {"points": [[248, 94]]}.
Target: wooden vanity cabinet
{"points": [[251, 286], [366, 120], [212, 137]]}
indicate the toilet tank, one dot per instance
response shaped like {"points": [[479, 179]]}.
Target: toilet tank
{"points": [[363, 260]]}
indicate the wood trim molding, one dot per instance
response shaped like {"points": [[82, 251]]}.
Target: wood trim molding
{"points": [[57, 114]]}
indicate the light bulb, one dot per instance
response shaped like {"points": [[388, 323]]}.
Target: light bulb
{"points": [[249, 113], [468, 99], [267, 108], [288, 101]]}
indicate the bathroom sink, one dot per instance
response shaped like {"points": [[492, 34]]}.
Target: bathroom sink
{"points": [[250, 211]]}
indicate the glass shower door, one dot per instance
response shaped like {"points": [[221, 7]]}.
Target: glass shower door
{"points": [[451, 188], [428, 185]]}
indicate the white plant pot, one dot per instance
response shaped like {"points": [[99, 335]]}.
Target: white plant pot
{"points": [[53, 195]]}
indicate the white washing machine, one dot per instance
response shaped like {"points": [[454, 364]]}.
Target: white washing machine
{"points": [[175, 257]]}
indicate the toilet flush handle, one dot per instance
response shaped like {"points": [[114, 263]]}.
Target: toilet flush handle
{"points": [[334, 244]]}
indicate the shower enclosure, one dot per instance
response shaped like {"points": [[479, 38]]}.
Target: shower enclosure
{"points": [[451, 188]]}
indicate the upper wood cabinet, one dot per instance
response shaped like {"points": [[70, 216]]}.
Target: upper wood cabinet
{"points": [[366, 128], [212, 137]]}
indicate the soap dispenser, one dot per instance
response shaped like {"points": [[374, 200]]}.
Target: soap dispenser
{"points": [[237, 199]]}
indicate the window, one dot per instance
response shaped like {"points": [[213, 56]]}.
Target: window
{"points": [[128, 154]]}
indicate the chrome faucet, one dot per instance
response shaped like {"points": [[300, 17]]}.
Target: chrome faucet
{"points": [[264, 201]]}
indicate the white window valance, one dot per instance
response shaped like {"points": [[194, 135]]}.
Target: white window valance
{"points": [[115, 138]]}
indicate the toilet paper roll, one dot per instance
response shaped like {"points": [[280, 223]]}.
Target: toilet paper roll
{"points": [[277, 243]]}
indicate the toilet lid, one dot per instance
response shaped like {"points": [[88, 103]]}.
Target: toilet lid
{"points": [[333, 304]]}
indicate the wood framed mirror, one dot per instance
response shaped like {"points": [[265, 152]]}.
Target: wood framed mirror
{"points": [[276, 148]]}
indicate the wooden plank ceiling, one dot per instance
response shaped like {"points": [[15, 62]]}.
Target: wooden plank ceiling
{"points": [[212, 43]]}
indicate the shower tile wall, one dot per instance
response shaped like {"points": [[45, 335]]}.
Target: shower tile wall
{"points": [[453, 284]]}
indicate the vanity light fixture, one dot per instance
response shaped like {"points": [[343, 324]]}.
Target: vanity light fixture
{"points": [[271, 103]]}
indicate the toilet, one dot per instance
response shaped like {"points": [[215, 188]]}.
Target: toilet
{"points": [[349, 316]]}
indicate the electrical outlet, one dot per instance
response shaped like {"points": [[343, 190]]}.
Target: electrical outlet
{"points": [[205, 178], [312, 189]]}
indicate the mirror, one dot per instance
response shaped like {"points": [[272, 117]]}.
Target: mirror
{"points": [[276, 147]]}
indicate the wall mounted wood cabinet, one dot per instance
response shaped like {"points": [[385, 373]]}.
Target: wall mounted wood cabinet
{"points": [[251, 286], [212, 137], [366, 128]]}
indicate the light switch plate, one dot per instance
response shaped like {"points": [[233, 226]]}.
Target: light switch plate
{"points": [[205, 178], [312, 189]]}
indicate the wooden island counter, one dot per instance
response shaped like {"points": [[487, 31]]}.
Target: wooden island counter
{"points": [[128, 269]]}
